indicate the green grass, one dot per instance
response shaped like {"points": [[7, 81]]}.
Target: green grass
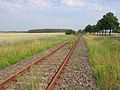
{"points": [[104, 56], [15, 52]]}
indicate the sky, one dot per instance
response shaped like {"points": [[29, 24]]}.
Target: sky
{"points": [[22, 15]]}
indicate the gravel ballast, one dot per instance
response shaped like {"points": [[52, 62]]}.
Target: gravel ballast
{"points": [[40, 75], [11, 70], [78, 72]]}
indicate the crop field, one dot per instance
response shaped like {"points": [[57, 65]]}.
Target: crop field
{"points": [[104, 56], [15, 47], [11, 38]]}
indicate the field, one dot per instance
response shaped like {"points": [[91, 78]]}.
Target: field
{"points": [[15, 47], [104, 56]]}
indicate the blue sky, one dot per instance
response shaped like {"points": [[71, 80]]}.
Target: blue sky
{"points": [[75, 14]]}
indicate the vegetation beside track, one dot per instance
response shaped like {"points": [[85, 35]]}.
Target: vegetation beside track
{"points": [[17, 51], [13, 38], [104, 56]]}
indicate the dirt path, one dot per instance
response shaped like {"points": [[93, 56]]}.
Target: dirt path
{"points": [[78, 73]]}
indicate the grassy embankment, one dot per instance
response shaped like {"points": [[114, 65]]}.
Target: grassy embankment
{"points": [[16, 47], [104, 56]]}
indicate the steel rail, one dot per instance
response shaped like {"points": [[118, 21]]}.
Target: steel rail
{"points": [[5, 83], [61, 68]]}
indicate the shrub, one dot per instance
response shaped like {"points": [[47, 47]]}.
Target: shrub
{"points": [[69, 32]]}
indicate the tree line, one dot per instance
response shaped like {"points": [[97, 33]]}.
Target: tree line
{"points": [[66, 31], [108, 23], [47, 30]]}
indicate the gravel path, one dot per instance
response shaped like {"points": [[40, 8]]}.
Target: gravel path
{"points": [[78, 73], [41, 75], [10, 70]]}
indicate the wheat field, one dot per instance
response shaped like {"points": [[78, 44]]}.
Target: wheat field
{"points": [[15, 47]]}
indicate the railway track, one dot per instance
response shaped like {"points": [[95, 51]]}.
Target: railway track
{"points": [[61, 68], [5, 84]]}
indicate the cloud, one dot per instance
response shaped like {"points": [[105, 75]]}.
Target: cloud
{"points": [[22, 5], [74, 3], [97, 7], [38, 4], [100, 8], [12, 6], [17, 6]]}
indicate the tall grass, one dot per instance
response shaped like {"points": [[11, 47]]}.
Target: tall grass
{"points": [[12, 38], [12, 53], [104, 56]]}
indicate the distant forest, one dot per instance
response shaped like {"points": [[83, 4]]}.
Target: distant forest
{"points": [[13, 31], [39, 31], [47, 30]]}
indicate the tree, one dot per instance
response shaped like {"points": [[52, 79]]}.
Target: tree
{"points": [[69, 32], [47, 30], [118, 30], [100, 26], [109, 22], [88, 28], [94, 28], [79, 31]]}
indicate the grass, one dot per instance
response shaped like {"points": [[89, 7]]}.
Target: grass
{"points": [[14, 52], [13, 38], [34, 82], [104, 56], [30, 82]]}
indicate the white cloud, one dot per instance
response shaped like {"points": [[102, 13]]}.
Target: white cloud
{"points": [[38, 4], [21, 5], [73, 2], [100, 8], [9, 5], [97, 6], [16, 6]]}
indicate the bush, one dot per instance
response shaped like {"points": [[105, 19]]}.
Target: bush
{"points": [[69, 32]]}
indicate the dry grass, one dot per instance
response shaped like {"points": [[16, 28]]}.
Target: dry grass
{"points": [[16, 50], [11, 38]]}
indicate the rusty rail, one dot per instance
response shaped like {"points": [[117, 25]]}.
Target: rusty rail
{"points": [[61, 68], [4, 84]]}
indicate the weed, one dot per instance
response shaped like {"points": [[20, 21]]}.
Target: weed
{"points": [[104, 56]]}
